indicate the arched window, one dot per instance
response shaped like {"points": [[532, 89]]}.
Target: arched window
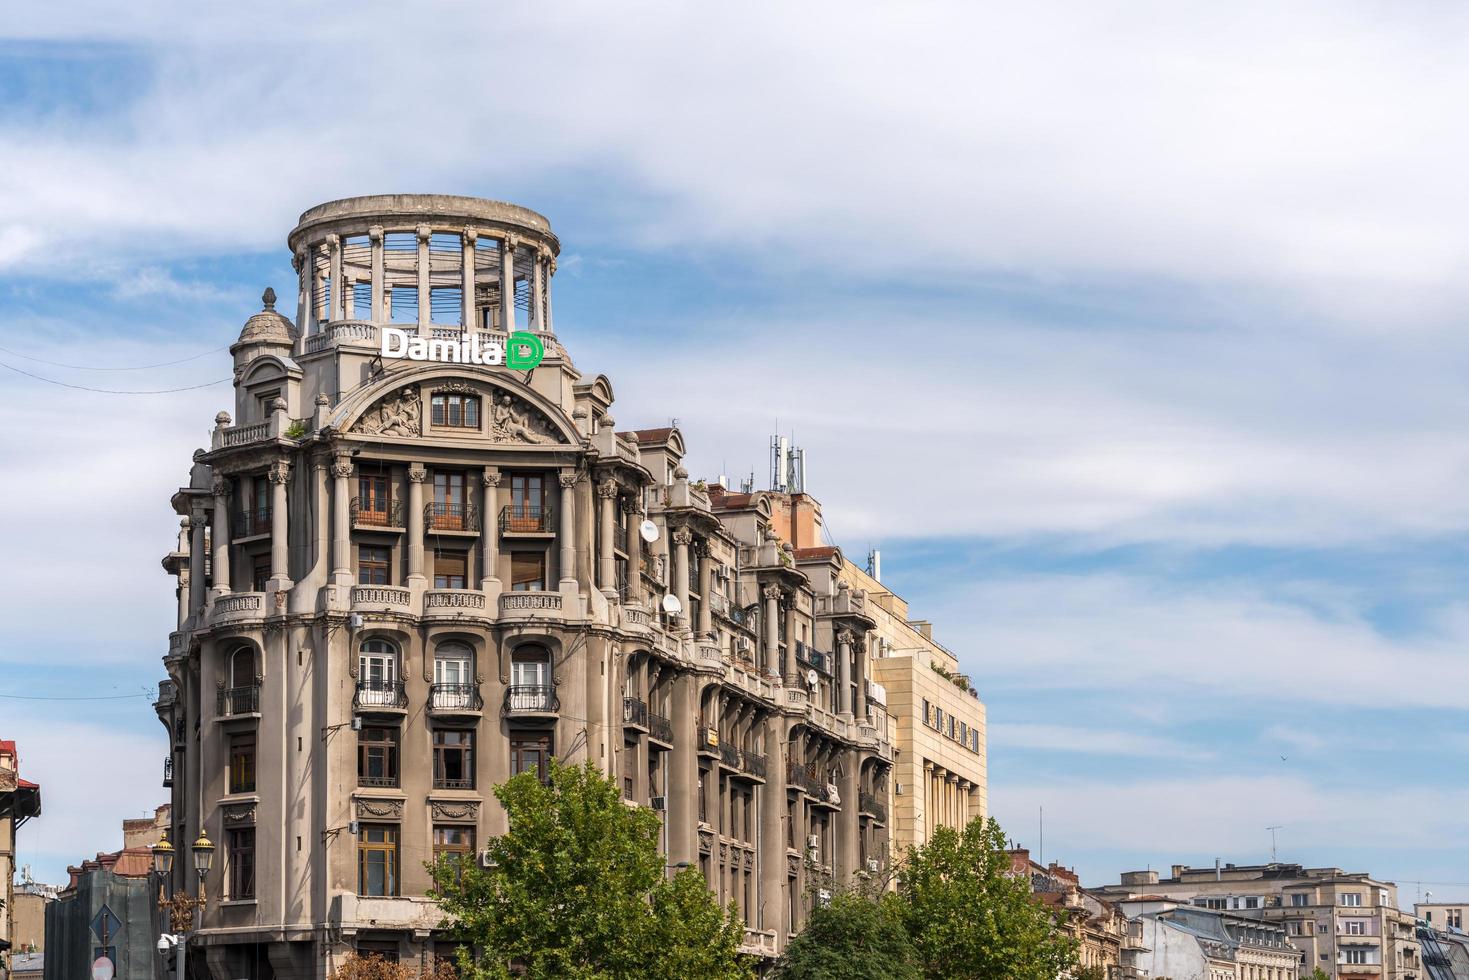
{"points": [[453, 675], [242, 672], [377, 673], [530, 679], [239, 688]]}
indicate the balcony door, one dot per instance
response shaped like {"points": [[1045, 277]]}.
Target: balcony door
{"points": [[449, 501], [527, 502], [372, 499], [377, 673], [530, 680], [453, 676]]}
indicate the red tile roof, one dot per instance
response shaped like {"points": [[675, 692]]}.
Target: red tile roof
{"points": [[824, 551], [645, 436]]}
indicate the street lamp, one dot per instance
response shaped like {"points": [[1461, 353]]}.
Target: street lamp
{"points": [[163, 855], [203, 849]]}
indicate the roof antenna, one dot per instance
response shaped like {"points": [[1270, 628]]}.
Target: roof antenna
{"points": [[1273, 828]]}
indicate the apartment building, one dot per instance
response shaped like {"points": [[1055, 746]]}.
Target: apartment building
{"points": [[1098, 927], [1189, 942], [1347, 924], [401, 581], [20, 800], [1444, 916]]}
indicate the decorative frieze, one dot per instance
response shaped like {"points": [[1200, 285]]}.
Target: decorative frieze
{"points": [[382, 809], [467, 810]]}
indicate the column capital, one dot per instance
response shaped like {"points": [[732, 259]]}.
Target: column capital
{"points": [[279, 471], [417, 473], [333, 242], [223, 486], [683, 537], [342, 465], [509, 243], [423, 232], [298, 260], [629, 505], [568, 479], [375, 233], [607, 488], [771, 592], [846, 636], [491, 476], [468, 234]]}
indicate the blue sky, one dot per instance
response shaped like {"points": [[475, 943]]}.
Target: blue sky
{"points": [[1130, 334]]}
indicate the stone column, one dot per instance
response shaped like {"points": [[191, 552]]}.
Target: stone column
{"points": [[550, 271], [220, 533], [466, 313], [280, 543], [634, 546], [416, 475], [341, 519], [424, 285], [379, 308], [183, 570], [771, 849], [489, 539], [566, 566], [537, 284], [859, 676], [683, 776], [507, 283], [705, 626], [197, 523], [849, 826], [788, 609], [844, 672], [334, 256], [304, 319], [682, 538], [772, 661], [606, 566]]}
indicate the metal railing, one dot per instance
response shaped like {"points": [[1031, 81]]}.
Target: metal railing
{"points": [[708, 739], [237, 700], [377, 513], [660, 727], [465, 697], [441, 515], [868, 803], [729, 755], [380, 694], [248, 523], [754, 764], [526, 519], [811, 657], [168, 772], [635, 712], [378, 782], [531, 697], [453, 784], [803, 776]]}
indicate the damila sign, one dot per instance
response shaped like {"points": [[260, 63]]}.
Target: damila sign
{"points": [[521, 352]]}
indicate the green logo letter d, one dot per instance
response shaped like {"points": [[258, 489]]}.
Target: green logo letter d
{"points": [[523, 351]]}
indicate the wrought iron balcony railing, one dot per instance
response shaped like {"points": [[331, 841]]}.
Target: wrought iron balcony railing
{"points": [[380, 694], [448, 697], [377, 512], [526, 519], [233, 701], [168, 772], [870, 804], [531, 698], [635, 712], [729, 755], [753, 764], [660, 728], [442, 515], [803, 776], [248, 523]]}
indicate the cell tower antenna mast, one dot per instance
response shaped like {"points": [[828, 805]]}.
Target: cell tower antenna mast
{"points": [[1273, 828]]}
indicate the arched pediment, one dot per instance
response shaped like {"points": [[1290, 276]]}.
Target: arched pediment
{"points": [[400, 405], [269, 367]]}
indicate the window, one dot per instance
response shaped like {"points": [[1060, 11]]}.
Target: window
{"points": [[377, 674], [530, 753], [527, 571], [1351, 899], [240, 856], [1298, 899], [927, 712], [242, 763], [372, 499], [1354, 927], [242, 667], [377, 756], [527, 502], [1353, 956], [373, 561], [377, 861], [453, 676], [456, 844], [453, 759], [254, 515], [456, 411], [530, 679], [449, 499], [259, 573], [451, 569]]}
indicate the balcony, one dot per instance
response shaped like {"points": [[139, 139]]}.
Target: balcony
{"points": [[235, 702], [455, 698], [530, 520], [635, 713], [531, 699], [379, 513], [529, 604], [753, 765], [803, 777], [168, 772], [376, 695], [869, 804], [238, 605], [380, 598], [444, 516], [660, 728], [729, 755], [809, 656], [708, 740], [252, 523]]}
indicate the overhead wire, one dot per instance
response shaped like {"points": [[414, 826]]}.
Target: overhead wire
{"points": [[114, 391], [92, 367]]}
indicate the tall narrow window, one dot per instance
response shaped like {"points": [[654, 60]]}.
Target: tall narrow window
{"points": [[259, 573], [373, 564], [240, 857], [527, 503], [377, 861], [377, 756], [530, 753], [372, 499], [377, 674], [530, 679], [455, 411], [527, 571], [454, 844], [453, 759], [449, 510], [454, 685], [451, 569], [242, 763]]}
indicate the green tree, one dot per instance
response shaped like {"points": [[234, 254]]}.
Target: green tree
{"points": [[1318, 974], [970, 918], [577, 889], [855, 937]]}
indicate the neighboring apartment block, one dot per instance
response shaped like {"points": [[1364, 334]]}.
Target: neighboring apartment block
{"points": [[1348, 925], [1190, 942], [401, 582], [20, 800], [1098, 927], [1443, 916]]}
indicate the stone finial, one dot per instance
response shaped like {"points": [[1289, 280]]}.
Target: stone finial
{"points": [[322, 399], [679, 473], [608, 421], [268, 298], [279, 405], [843, 585], [222, 419]]}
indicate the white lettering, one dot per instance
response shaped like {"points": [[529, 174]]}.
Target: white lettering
{"points": [[471, 350], [391, 334]]}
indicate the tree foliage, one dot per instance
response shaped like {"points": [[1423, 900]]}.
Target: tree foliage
{"points": [[577, 889], [970, 918], [856, 937], [372, 966]]}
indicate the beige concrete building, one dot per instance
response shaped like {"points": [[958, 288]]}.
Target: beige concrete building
{"points": [[20, 800], [401, 580], [1442, 915], [1348, 924], [1099, 929], [1176, 941]]}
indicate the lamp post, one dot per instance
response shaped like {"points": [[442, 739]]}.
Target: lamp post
{"points": [[203, 849], [181, 909]]}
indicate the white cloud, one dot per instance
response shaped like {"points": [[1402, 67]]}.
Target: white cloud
{"points": [[1255, 147], [1072, 740]]}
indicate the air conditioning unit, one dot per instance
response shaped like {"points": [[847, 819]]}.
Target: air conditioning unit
{"points": [[823, 897], [872, 866], [659, 803], [484, 858], [813, 842], [897, 789]]}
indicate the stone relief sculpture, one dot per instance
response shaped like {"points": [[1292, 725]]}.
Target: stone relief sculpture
{"points": [[512, 421], [395, 415]]}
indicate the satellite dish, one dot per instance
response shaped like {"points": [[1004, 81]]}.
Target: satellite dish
{"points": [[649, 531], [671, 605], [811, 677]]}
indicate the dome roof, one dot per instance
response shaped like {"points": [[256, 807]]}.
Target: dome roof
{"points": [[268, 326]]}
